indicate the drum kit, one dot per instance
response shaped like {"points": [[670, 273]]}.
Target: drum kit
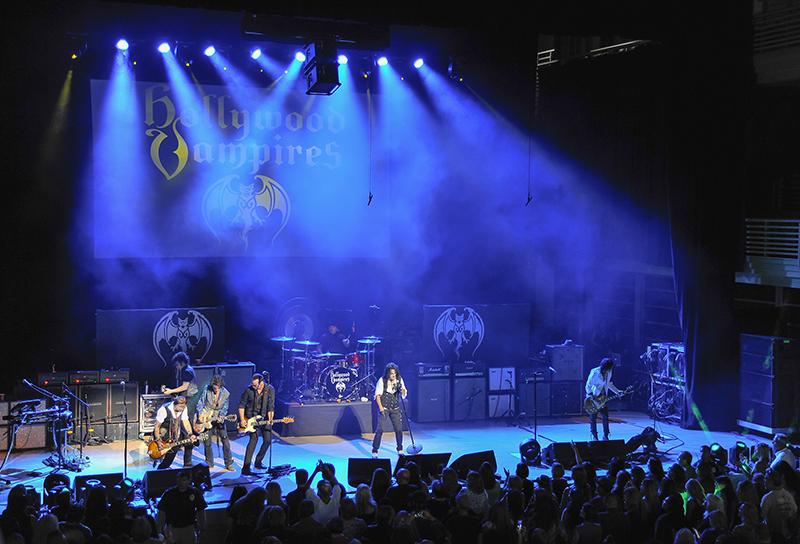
{"points": [[328, 376]]}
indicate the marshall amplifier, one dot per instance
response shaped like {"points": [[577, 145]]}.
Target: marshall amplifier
{"points": [[469, 369], [84, 377], [53, 378], [432, 371], [115, 376]]}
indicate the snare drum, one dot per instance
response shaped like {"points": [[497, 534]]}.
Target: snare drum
{"points": [[338, 382]]}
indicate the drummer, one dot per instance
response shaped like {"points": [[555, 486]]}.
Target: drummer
{"points": [[333, 341]]}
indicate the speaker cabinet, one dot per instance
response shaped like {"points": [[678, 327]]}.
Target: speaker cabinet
{"points": [[473, 461], [428, 463], [430, 400], [562, 452], [96, 396], [148, 407], [567, 361], [606, 450], [534, 396], [469, 398], [566, 398], [502, 405], [359, 471], [122, 399], [155, 482]]}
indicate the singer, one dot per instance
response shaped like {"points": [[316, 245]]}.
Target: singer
{"points": [[388, 391]]}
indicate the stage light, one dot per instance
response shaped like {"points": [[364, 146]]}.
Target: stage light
{"points": [[76, 45], [529, 450], [209, 51], [164, 47], [719, 453], [299, 56], [122, 45], [418, 63], [383, 61], [255, 53], [342, 59], [455, 70]]}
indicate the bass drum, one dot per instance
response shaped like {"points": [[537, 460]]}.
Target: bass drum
{"points": [[338, 382]]}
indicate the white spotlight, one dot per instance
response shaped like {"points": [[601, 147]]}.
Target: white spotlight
{"points": [[342, 59], [164, 47], [255, 53], [418, 63], [122, 45]]}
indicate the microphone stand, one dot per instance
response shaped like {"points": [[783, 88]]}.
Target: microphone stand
{"points": [[414, 448], [125, 419], [81, 405]]}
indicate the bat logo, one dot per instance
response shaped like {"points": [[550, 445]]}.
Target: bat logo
{"points": [[458, 334], [229, 203], [187, 330]]}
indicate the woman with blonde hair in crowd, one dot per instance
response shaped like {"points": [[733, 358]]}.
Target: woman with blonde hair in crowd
{"points": [[365, 506]]}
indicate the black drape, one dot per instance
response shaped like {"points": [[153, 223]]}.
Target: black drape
{"points": [[664, 125]]}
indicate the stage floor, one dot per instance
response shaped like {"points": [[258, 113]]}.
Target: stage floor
{"points": [[457, 438]]}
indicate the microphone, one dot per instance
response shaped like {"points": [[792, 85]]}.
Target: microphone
{"points": [[122, 382]]}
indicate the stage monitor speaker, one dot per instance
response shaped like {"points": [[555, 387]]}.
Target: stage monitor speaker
{"points": [[108, 480], [473, 461], [30, 437], [119, 397], [430, 400], [541, 394], [428, 463], [566, 398], [502, 405], [469, 398], [606, 450], [359, 471], [155, 482], [201, 477], [562, 452]]}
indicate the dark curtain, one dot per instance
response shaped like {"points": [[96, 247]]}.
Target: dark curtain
{"points": [[663, 125]]}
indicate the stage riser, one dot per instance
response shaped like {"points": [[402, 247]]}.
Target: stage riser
{"points": [[341, 419]]}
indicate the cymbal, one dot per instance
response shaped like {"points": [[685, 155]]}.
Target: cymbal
{"points": [[307, 342], [295, 350], [369, 341], [281, 339], [329, 354]]}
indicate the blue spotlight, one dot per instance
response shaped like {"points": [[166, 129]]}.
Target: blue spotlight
{"points": [[164, 47], [255, 53], [122, 45], [418, 63], [383, 61], [209, 51], [300, 56], [342, 59]]}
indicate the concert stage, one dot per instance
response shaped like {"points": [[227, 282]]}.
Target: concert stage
{"points": [[454, 438]]}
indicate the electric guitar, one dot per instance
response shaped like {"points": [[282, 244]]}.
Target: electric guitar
{"points": [[259, 421], [595, 404], [156, 452], [204, 418]]}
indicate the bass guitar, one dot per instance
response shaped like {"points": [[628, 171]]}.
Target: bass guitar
{"points": [[258, 421], [157, 452], [595, 404]]}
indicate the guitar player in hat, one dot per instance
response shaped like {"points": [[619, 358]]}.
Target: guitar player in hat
{"points": [[172, 420], [598, 387]]}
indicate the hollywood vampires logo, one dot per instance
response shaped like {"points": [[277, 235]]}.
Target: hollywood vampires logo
{"points": [[458, 333], [188, 331]]}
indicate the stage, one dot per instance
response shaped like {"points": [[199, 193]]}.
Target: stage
{"points": [[454, 438]]}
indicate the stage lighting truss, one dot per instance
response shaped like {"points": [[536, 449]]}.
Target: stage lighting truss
{"points": [[321, 67]]}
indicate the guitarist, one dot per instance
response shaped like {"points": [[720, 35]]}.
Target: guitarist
{"points": [[257, 400], [172, 419], [598, 385], [214, 402]]}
